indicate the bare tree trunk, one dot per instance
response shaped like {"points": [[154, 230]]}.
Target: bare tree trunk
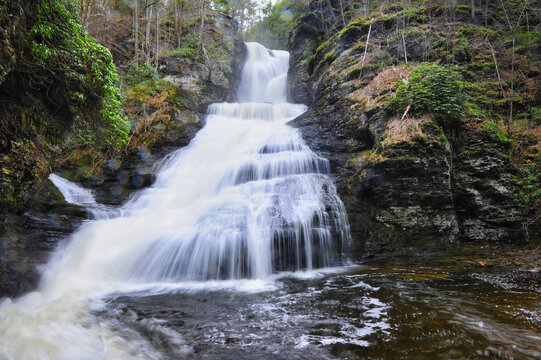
{"points": [[331, 11], [405, 51], [342, 13], [148, 19], [366, 8], [512, 95], [486, 13], [201, 28], [473, 9], [157, 55], [406, 5], [136, 30], [513, 29], [82, 10], [367, 40], [177, 37]]}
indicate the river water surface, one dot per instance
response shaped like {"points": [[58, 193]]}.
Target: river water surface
{"points": [[357, 312]]}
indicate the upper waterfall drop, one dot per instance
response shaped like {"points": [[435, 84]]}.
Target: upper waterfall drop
{"points": [[264, 77]]}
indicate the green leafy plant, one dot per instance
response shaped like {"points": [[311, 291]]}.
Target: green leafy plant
{"points": [[84, 68], [492, 129], [189, 47], [431, 89]]}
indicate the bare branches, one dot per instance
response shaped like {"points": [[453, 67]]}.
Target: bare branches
{"points": [[513, 29]]}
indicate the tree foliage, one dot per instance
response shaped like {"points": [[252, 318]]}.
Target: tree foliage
{"points": [[277, 22]]}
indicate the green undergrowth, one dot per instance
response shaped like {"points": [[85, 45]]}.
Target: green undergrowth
{"points": [[432, 89], [493, 131], [189, 47], [85, 72], [530, 181]]}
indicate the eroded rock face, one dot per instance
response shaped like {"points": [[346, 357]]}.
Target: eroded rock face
{"points": [[30, 238], [211, 79], [483, 190], [404, 181], [15, 17]]}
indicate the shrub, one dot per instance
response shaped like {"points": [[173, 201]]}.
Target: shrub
{"points": [[188, 48], [531, 180], [138, 73], [431, 89], [492, 130]]}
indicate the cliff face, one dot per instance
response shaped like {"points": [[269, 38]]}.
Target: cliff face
{"points": [[39, 122], [407, 181]]}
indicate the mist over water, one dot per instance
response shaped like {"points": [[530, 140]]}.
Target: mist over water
{"points": [[245, 199]]}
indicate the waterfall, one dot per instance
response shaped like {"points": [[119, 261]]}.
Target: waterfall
{"points": [[245, 199]]}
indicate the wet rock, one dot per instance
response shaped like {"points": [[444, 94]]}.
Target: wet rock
{"points": [[486, 206], [29, 238]]}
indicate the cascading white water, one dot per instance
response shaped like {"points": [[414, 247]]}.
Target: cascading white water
{"points": [[246, 198], [78, 195]]}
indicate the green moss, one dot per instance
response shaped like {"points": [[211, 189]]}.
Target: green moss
{"points": [[323, 47], [141, 82], [535, 116], [493, 131], [484, 99], [428, 124], [360, 71], [310, 48], [350, 32], [189, 47], [310, 63], [421, 139], [463, 10], [414, 15], [330, 57], [530, 180], [481, 66], [384, 58], [475, 31]]}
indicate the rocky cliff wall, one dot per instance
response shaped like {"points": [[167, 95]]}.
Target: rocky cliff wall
{"points": [[406, 182]]}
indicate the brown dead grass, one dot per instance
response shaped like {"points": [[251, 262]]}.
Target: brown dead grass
{"points": [[400, 130], [386, 79], [370, 96]]}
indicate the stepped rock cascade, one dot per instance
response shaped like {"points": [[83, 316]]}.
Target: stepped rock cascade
{"points": [[245, 199]]}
